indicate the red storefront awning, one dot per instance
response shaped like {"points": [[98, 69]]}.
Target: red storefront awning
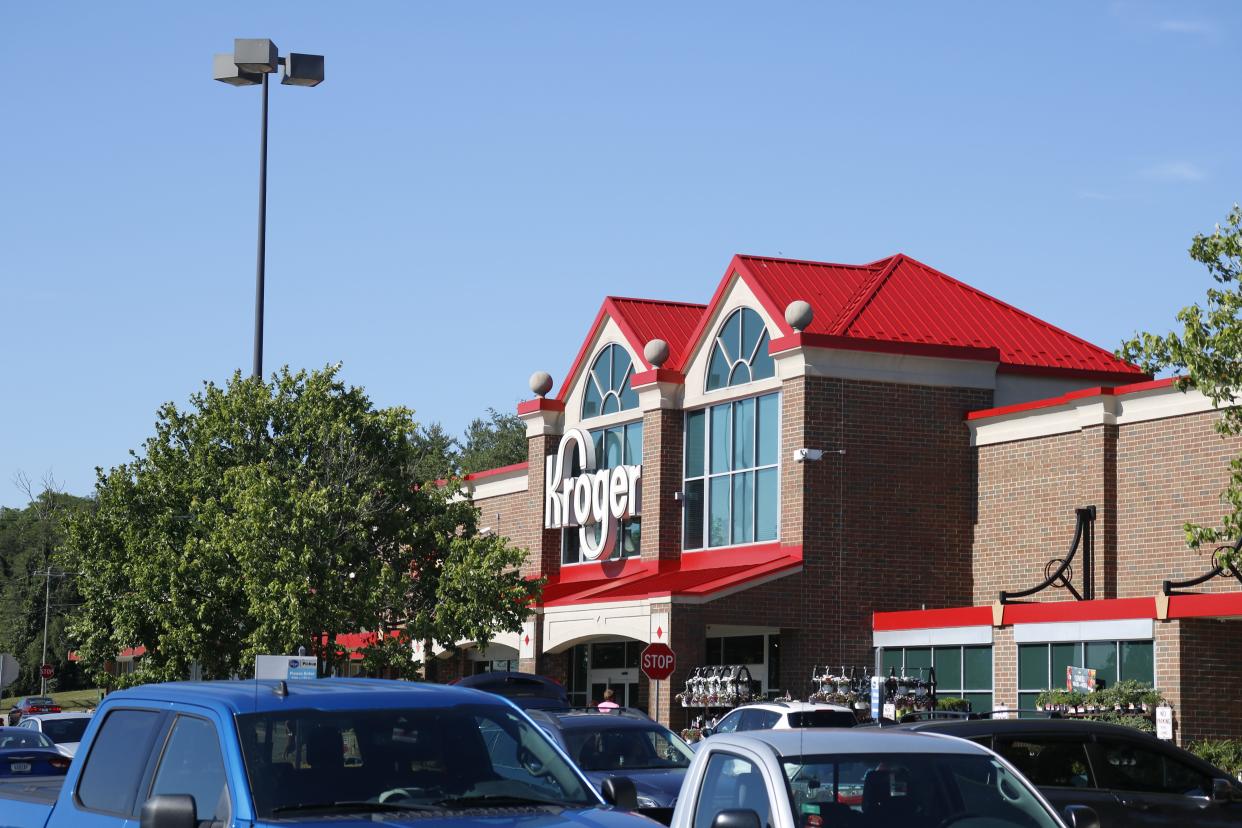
{"points": [[694, 575]]}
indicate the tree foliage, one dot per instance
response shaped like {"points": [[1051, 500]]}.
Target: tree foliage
{"points": [[491, 442], [1207, 356], [29, 541], [271, 515]]}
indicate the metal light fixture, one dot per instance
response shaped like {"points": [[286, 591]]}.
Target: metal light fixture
{"points": [[253, 59]]}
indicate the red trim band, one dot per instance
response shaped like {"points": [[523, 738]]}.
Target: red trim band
{"points": [[491, 472], [1071, 396], [540, 404]]}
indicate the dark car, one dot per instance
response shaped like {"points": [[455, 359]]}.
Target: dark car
{"points": [[623, 742], [1128, 777], [527, 690], [32, 704], [26, 752]]}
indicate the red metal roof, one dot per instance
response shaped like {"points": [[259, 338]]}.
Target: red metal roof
{"points": [[895, 304], [902, 300], [674, 322], [693, 575]]}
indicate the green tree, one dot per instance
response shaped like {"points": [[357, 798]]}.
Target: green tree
{"points": [[271, 515], [436, 454], [29, 540], [491, 442], [1207, 356]]}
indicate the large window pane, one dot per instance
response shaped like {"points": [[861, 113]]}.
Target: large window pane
{"points": [[763, 366], [743, 649], [696, 426], [1138, 662], [718, 518], [192, 765], [730, 336], [765, 505], [612, 448], [720, 438], [634, 444], [1033, 666], [1102, 657], [948, 668], [979, 702], [744, 434], [592, 402], [118, 754], [892, 659], [752, 327], [717, 369], [631, 532], [743, 497], [694, 514], [977, 667], [1063, 655], [1026, 701], [917, 657], [769, 417]]}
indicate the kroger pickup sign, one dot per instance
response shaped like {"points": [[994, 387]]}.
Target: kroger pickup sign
{"points": [[595, 496]]}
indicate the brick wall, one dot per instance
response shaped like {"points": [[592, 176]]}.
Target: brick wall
{"points": [[1211, 674], [1168, 472], [509, 516], [663, 438]]}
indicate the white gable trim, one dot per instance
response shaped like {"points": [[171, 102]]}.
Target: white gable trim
{"points": [[609, 333], [737, 295]]}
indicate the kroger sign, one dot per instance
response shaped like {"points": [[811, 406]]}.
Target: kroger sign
{"points": [[596, 496]]}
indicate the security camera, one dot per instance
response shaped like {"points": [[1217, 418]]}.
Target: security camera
{"points": [[804, 455]]}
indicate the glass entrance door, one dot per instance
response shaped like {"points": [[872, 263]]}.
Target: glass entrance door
{"points": [[623, 683]]}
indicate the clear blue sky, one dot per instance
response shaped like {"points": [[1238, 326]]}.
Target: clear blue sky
{"points": [[449, 208]]}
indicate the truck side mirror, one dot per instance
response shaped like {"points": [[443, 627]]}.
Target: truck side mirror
{"points": [[739, 818], [619, 792], [705, 732], [169, 811], [1080, 816]]}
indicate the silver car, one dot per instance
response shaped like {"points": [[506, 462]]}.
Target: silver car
{"points": [[65, 729], [825, 778]]}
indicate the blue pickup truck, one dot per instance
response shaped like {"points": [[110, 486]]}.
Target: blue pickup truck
{"points": [[332, 752]]}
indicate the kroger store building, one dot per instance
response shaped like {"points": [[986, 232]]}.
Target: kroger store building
{"points": [[861, 465]]}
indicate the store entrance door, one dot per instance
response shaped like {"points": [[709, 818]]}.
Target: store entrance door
{"points": [[624, 684]]}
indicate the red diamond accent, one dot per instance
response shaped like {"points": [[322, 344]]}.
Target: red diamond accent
{"points": [[526, 640], [659, 632]]}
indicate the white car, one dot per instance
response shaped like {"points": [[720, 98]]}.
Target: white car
{"points": [[784, 715], [859, 777], [65, 729]]}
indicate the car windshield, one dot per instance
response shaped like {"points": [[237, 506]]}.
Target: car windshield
{"points": [[472, 755], [629, 748], [14, 738], [65, 730], [964, 790]]}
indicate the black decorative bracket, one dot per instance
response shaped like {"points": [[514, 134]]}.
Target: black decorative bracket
{"points": [[1220, 569], [1059, 572]]}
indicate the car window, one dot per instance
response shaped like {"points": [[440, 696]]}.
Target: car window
{"points": [[1136, 767], [119, 753], [910, 790], [731, 782], [1048, 762], [192, 765], [759, 719], [65, 730], [29, 724], [823, 718], [730, 722], [629, 748], [21, 739]]}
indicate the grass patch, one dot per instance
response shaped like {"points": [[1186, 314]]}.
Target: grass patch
{"points": [[68, 700]]}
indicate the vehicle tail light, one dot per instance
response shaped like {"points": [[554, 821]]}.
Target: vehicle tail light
{"points": [[59, 762], [54, 709]]}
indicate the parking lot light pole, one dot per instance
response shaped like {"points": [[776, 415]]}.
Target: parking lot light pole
{"points": [[252, 60]]}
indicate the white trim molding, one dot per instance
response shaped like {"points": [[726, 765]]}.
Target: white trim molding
{"points": [[496, 485], [1125, 629], [933, 637]]}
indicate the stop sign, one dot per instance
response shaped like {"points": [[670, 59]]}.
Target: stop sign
{"points": [[46, 671], [658, 661]]}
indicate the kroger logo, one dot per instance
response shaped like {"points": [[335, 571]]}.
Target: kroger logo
{"points": [[596, 496]]}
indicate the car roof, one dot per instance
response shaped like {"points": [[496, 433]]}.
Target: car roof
{"points": [[514, 681], [261, 696], [807, 741], [72, 714], [794, 706]]}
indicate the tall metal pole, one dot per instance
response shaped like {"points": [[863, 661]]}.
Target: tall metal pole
{"points": [[47, 599], [258, 288]]}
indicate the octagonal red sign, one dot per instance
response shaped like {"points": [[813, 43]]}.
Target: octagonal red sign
{"points": [[658, 661]]}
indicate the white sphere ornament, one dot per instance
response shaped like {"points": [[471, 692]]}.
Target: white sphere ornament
{"points": [[541, 383], [656, 352], [799, 315]]}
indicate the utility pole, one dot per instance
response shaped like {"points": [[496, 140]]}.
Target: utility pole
{"points": [[47, 602]]}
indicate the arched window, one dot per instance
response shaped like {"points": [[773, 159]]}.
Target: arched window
{"points": [[608, 384], [740, 352]]}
